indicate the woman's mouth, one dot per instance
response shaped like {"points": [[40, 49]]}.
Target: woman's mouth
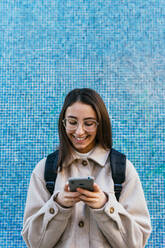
{"points": [[80, 139]]}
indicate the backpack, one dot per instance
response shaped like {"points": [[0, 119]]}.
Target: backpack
{"points": [[117, 164]]}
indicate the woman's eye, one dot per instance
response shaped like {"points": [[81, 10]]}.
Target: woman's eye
{"points": [[89, 123], [72, 122]]}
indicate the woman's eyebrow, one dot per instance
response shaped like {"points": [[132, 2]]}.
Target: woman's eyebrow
{"points": [[71, 116], [87, 118], [90, 118]]}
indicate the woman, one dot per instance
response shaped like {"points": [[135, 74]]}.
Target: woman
{"points": [[84, 218]]}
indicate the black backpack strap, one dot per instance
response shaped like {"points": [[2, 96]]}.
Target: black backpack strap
{"points": [[118, 167], [50, 173]]}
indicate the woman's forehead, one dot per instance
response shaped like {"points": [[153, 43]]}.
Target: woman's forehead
{"points": [[82, 110]]}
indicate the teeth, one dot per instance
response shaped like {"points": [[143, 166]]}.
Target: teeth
{"points": [[80, 138]]}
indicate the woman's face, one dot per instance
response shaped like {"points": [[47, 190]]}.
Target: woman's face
{"points": [[81, 127]]}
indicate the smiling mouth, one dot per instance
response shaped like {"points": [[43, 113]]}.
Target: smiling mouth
{"points": [[80, 139]]}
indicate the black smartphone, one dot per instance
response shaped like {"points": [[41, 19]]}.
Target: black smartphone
{"points": [[81, 182]]}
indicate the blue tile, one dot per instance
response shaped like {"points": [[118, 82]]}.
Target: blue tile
{"points": [[48, 48]]}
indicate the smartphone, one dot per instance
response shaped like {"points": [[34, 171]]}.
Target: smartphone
{"points": [[81, 182]]}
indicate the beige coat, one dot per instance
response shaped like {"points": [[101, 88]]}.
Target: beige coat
{"points": [[123, 224]]}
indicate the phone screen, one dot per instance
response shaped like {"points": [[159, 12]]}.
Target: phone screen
{"points": [[84, 183]]}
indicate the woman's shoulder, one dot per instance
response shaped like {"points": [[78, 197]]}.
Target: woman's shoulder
{"points": [[130, 170], [40, 168]]}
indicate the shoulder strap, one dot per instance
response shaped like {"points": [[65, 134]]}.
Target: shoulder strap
{"points": [[118, 166], [50, 173]]}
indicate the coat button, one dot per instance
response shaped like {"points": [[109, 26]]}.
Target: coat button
{"points": [[81, 223], [111, 210], [51, 211], [84, 163]]}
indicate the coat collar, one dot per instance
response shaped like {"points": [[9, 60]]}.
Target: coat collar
{"points": [[99, 155]]}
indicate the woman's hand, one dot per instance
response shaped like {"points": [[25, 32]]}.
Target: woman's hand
{"points": [[95, 199], [67, 198]]}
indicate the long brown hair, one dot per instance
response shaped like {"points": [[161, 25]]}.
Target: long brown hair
{"points": [[104, 130]]}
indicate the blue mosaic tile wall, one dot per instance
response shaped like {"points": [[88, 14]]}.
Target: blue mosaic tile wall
{"points": [[48, 48]]}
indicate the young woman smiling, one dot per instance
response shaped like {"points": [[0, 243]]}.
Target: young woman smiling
{"points": [[84, 218]]}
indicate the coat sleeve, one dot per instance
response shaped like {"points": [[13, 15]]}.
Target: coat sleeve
{"points": [[44, 220], [125, 223]]}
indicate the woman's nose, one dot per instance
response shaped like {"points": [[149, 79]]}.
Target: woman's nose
{"points": [[79, 129]]}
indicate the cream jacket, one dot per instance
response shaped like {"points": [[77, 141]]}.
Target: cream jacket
{"points": [[123, 224]]}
